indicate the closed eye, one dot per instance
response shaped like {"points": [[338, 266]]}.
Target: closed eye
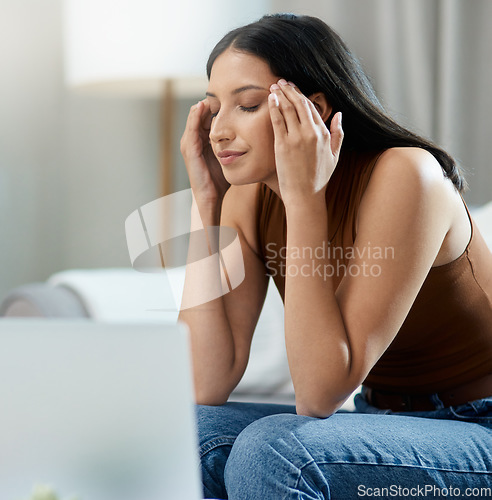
{"points": [[249, 109]]}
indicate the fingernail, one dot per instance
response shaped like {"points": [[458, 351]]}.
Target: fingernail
{"points": [[282, 82], [339, 118], [273, 98], [274, 87]]}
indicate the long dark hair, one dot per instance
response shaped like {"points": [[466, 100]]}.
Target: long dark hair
{"points": [[305, 50]]}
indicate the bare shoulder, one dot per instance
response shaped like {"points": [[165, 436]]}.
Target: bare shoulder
{"points": [[412, 174], [408, 185], [410, 164], [407, 189], [240, 210]]}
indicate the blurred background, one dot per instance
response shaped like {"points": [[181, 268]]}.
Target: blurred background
{"points": [[75, 161]]}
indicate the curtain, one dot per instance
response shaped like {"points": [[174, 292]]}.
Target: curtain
{"points": [[430, 62]]}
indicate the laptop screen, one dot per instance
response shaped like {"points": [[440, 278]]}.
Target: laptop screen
{"points": [[96, 411]]}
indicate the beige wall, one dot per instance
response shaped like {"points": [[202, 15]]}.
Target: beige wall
{"points": [[72, 167]]}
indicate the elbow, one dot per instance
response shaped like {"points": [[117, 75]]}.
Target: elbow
{"points": [[210, 398], [323, 400], [210, 401], [320, 405], [316, 410]]}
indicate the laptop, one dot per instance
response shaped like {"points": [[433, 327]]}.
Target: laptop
{"points": [[96, 411]]}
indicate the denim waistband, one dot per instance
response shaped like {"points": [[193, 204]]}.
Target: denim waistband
{"points": [[478, 411]]}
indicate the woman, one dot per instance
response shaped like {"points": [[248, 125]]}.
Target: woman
{"points": [[385, 279]]}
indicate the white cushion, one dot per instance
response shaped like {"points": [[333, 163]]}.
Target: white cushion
{"points": [[120, 294], [125, 295]]}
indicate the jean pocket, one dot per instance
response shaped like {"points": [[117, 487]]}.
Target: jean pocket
{"points": [[479, 411]]}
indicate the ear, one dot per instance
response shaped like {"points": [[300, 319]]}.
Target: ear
{"points": [[322, 105]]}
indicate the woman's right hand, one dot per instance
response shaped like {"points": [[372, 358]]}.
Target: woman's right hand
{"points": [[204, 171]]}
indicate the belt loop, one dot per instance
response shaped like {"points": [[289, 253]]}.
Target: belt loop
{"points": [[367, 394], [407, 402], [436, 401]]}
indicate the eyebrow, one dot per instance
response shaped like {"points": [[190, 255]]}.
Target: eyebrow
{"points": [[239, 90]]}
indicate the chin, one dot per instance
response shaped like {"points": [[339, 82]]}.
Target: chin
{"points": [[242, 176], [236, 180], [239, 177]]}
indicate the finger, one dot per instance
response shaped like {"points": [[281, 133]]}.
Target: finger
{"points": [[336, 132], [206, 115], [315, 115], [194, 115], [192, 140], [299, 100], [314, 111], [278, 121], [288, 110], [199, 120]]}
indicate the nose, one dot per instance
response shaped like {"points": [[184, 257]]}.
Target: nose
{"points": [[221, 128]]}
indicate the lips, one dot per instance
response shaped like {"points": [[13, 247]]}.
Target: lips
{"points": [[228, 156]]}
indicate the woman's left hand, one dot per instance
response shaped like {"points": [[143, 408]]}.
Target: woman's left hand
{"points": [[306, 152]]}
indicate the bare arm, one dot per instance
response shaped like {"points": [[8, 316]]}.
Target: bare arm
{"points": [[334, 338], [222, 328], [354, 326]]}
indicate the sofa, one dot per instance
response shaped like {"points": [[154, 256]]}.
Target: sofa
{"points": [[125, 295]]}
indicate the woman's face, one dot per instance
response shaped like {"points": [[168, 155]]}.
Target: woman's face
{"points": [[241, 132]]}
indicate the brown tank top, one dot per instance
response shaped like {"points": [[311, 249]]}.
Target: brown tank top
{"points": [[446, 339]]}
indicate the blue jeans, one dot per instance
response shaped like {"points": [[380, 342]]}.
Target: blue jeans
{"points": [[253, 451]]}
